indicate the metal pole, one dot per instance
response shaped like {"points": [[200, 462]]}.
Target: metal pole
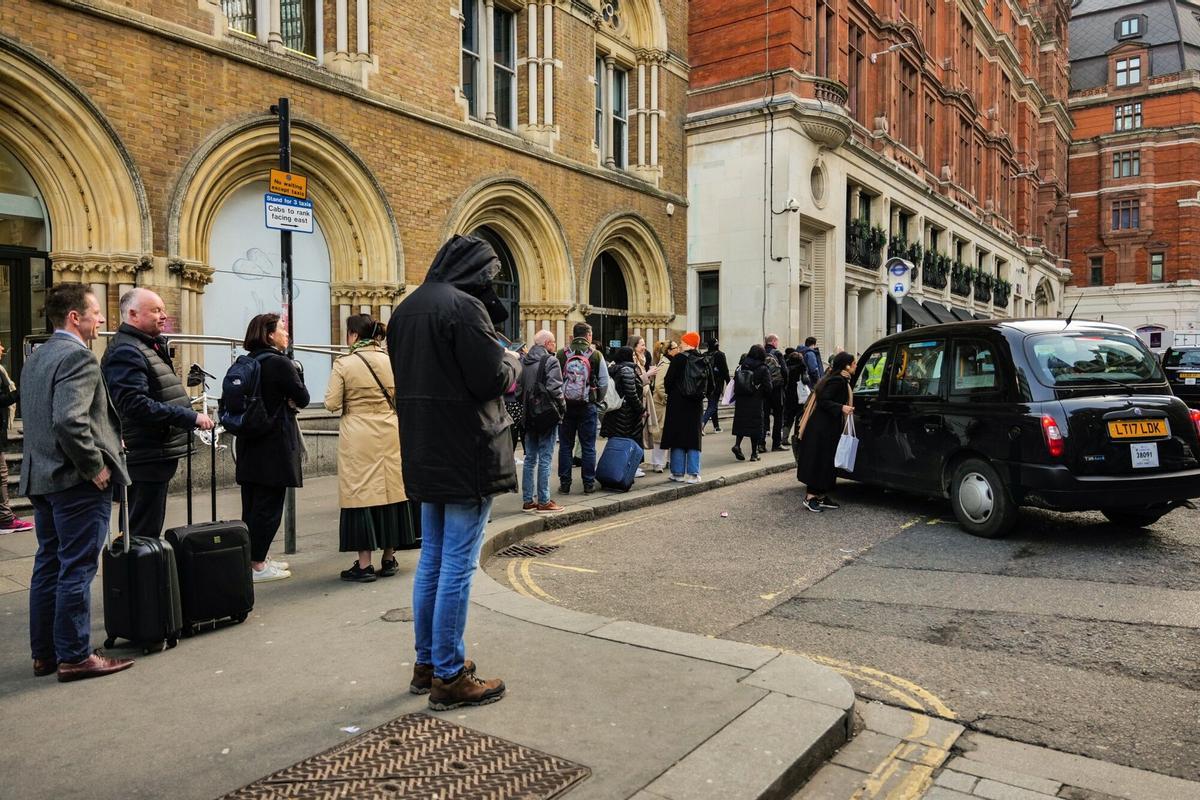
{"points": [[283, 111]]}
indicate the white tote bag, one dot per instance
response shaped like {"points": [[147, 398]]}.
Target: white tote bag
{"points": [[847, 449], [727, 395], [802, 392]]}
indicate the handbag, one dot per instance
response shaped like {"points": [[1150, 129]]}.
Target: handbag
{"points": [[727, 395], [802, 392], [612, 396], [847, 449]]}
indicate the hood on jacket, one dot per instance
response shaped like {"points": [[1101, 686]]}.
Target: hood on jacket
{"points": [[535, 355], [465, 262]]}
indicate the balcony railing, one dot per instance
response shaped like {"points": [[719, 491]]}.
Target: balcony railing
{"points": [[1001, 293], [828, 91], [935, 269], [960, 279], [864, 244], [983, 286]]}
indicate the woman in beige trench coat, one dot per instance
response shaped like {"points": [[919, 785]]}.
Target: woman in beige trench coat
{"points": [[658, 457], [375, 511]]}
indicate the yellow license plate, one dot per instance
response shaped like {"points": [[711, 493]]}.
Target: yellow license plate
{"points": [[1192, 375], [1139, 429]]}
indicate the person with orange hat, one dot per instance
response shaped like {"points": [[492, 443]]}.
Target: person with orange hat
{"points": [[688, 383]]}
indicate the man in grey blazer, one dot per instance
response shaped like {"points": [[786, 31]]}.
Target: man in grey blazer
{"points": [[72, 457]]}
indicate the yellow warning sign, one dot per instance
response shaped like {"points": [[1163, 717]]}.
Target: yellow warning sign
{"points": [[289, 183]]}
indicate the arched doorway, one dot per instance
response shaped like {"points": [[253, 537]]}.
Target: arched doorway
{"points": [[245, 259], [24, 259], [1043, 300], [506, 283], [608, 298]]}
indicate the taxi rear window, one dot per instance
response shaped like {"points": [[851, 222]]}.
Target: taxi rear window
{"points": [[1090, 359], [1182, 358]]}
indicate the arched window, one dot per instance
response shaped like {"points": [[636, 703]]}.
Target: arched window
{"points": [[506, 283], [608, 297]]}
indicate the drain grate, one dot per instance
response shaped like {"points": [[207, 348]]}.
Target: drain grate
{"points": [[527, 550], [421, 756]]}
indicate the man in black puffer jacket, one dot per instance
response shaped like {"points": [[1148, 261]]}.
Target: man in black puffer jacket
{"points": [[156, 413], [451, 376]]}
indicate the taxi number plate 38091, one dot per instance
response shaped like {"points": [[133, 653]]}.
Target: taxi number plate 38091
{"points": [[1144, 455]]}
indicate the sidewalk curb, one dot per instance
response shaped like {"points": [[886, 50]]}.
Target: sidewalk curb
{"points": [[764, 753]]}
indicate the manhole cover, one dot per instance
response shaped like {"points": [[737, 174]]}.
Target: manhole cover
{"points": [[527, 550], [421, 756]]}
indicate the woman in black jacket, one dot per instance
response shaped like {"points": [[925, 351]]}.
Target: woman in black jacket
{"points": [[269, 462], [627, 421], [820, 428], [748, 405]]}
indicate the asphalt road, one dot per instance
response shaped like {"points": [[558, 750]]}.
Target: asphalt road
{"points": [[1070, 633]]}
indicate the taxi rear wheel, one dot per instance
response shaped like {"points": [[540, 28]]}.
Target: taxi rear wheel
{"points": [[1134, 517], [981, 501]]}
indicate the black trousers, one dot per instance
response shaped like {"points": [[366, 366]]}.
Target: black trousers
{"points": [[262, 510], [773, 419], [148, 497]]}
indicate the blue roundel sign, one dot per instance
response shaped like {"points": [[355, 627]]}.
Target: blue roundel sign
{"points": [[899, 277]]}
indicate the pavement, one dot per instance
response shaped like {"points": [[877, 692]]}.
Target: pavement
{"points": [[655, 714]]}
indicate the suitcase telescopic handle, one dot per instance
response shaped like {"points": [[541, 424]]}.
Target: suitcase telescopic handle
{"points": [[122, 517]]}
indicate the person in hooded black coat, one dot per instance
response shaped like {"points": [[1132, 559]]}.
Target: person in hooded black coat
{"points": [[831, 403], [627, 421], [748, 408], [681, 430]]}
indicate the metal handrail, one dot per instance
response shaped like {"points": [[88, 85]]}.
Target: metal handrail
{"points": [[236, 344]]}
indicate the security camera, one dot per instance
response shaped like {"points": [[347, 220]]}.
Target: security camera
{"points": [[792, 204]]}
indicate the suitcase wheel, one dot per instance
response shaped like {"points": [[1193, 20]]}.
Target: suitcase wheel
{"points": [[172, 642], [156, 647], [109, 642]]}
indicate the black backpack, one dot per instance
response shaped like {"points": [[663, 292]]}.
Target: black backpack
{"points": [[776, 371], [697, 376], [743, 383], [241, 408], [542, 411]]}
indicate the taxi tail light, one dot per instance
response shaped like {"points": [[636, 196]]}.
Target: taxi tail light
{"points": [[1055, 443], [1195, 420]]}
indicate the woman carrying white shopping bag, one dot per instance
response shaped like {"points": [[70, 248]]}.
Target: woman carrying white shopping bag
{"points": [[821, 431]]}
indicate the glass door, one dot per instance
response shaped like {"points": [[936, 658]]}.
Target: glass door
{"points": [[24, 277]]}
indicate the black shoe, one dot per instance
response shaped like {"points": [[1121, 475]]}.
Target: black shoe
{"points": [[564, 488], [588, 488], [717, 428], [359, 575], [738, 454], [755, 457], [814, 505], [777, 448], [388, 568], [828, 502], [577, 462]]}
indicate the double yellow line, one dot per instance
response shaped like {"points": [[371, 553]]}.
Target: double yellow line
{"points": [[520, 578]]}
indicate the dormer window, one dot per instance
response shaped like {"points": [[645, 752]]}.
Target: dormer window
{"points": [[1130, 27], [1129, 71]]}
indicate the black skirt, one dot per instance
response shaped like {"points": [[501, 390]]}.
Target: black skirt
{"points": [[396, 526]]}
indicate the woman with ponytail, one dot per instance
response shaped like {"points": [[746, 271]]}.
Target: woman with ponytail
{"points": [[376, 514]]}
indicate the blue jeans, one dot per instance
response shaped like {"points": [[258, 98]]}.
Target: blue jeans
{"points": [[710, 413], [71, 526], [684, 462], [584, 422], [451, 536], [539, 453]]}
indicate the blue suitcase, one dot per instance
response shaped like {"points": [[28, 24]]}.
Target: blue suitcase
{"points": [[619, 464]]}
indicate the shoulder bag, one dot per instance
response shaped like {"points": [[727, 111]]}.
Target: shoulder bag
{"points": [[391, 403]]}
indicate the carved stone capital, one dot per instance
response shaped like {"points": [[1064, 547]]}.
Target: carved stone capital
{"points": [[544, 311], [359, 293], [109, 268]]}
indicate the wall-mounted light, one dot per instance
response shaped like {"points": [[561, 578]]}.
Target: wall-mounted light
{"points": [[875, 56]]}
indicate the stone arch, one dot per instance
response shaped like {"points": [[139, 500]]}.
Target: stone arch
{"points": [[1044, 299], [95, 200], [642, 22], [512, 209], [643, 261], [349, 204]]}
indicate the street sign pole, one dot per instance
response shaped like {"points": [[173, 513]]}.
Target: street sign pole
{"points": [[899, 277], [283, 111]]}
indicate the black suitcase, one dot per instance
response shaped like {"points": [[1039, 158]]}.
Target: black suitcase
{"points": [[141, 589], [214, 563]]}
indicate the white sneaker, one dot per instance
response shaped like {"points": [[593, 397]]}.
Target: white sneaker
{"points": [[676, 478], [692, 479], [518, 461], [659, 468], [283, 565], [270, 572], [639, 474]]}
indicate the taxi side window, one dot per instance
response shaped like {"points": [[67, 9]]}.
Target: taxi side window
{"points": [[974, 369], [870, 374], [918, 370]]}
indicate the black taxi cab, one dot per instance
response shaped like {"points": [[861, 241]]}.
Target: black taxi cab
{"points": [[1181, 363], [996, 415]]}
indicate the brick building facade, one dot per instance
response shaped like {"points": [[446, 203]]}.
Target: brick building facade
{"points": [[136, 139], [1135, 185], [833, 134]]}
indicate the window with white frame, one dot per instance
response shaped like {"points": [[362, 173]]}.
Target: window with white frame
{"points": [[1129, 27], [471, 56], [612, 114], [504, 67], [620, 118], [1129, 71], [1128, 117]]}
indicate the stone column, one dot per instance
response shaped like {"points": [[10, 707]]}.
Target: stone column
{"points": [[343, 316], [654, 114], [606, 97], [489, 59], [342, 34], [641, 114], [851, 343], [363, 19], [385, 313], [275, 31], [532, 9], [262, 20], [855, 202], [548, 63]]}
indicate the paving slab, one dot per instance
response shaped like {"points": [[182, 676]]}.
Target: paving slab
{"points": [[994, 790], [719, 651], [911, 727], [797, 676], [866, 751], [1003, 775], [832, 782], [958, 781]]}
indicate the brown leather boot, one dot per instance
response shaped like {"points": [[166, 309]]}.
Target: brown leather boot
{"points": [[45, 666], [465, 690], [96, 665], [422, 677]]}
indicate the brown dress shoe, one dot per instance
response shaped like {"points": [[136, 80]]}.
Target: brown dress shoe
{"points": [[549, 508], [530, 506], [422, 677], [465, 690], [96, 665], [44, 666]]}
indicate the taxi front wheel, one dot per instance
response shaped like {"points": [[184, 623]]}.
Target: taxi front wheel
{"points": [[981, 501]]}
